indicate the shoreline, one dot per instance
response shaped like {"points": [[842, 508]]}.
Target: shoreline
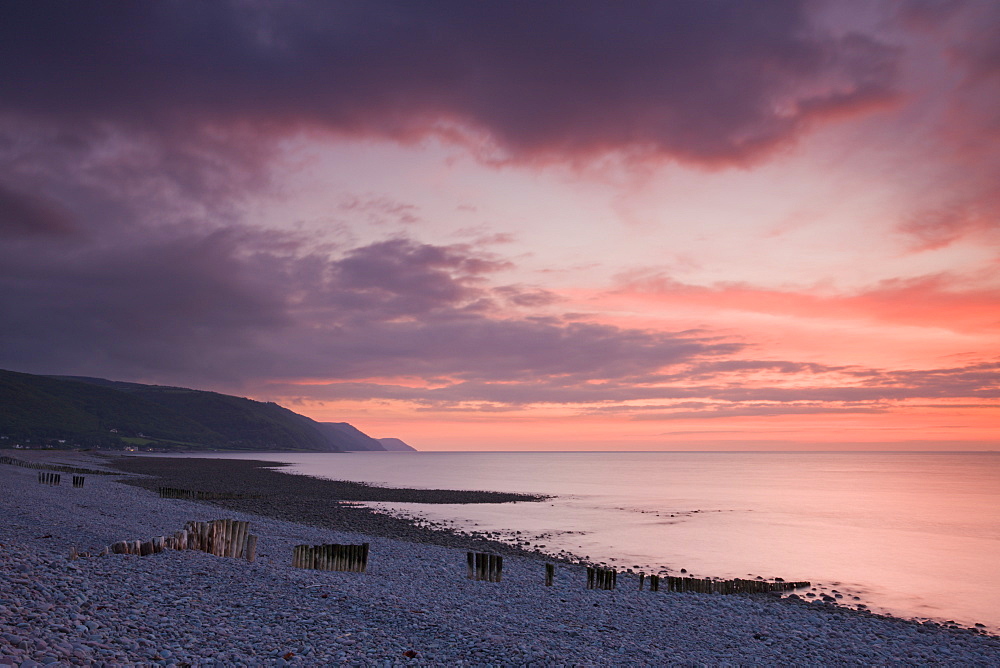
{"points": [[178, 608], [279, 494], [319, 502]]}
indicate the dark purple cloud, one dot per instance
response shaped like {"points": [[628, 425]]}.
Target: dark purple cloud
{"points": [[712, 81], [195, 306], [27, 215], [966, 139]]}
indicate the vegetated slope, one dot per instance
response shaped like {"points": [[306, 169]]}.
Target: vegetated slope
{"points": [[349, 437], [43, 409], [249, 425], [396, 445], [96, 412], [245, 424]]}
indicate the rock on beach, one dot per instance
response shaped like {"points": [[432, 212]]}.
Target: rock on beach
{"points": [[414, 606]]}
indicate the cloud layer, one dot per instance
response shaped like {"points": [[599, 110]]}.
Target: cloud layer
{"points": [[225, 305], [136, 140], [706, 82]]}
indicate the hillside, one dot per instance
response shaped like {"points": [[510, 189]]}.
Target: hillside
{"points": [[352, 437], [396, 445], [41, 409], [94, 412]]}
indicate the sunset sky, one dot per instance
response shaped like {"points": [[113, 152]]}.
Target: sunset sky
{"points": [[517, 225]]}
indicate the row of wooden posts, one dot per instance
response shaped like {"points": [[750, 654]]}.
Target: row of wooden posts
{"points": [[654, 582], [46, 478], [49, 478], [62, 468], [601, 578], [484, 567], [332, 557], [231, 538], [222, 538], [607, 578], [736, 586], [489, 567], [197, 495]]}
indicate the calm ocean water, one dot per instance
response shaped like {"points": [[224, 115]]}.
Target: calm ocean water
{"points": [[911, 534]]}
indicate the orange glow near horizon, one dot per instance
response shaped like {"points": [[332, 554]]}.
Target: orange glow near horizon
{"points": [[934, 426]]}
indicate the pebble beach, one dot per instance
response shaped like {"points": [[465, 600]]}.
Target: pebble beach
{"points": [[414, 605]]}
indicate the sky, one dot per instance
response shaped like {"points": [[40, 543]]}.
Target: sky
{"points": [[713, 225]]}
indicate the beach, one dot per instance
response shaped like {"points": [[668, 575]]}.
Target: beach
{"points": [[414, 605]]}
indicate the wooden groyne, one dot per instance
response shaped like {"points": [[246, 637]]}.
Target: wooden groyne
{"points": [[736, 586], [550, 574], [62, 468], [601, 578], [198, 495], [222, 538], [331, 557], [49, 478], [484, 567]]}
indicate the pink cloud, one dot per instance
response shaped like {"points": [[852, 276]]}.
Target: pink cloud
{"points": [[939, 301]]}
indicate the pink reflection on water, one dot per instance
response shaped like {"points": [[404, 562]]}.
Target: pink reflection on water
{"points": [[911, 534]]}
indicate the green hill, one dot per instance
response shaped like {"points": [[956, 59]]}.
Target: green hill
{"points": [[94, 412]]}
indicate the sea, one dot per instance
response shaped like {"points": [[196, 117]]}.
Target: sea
{"points": [[911, 534]]}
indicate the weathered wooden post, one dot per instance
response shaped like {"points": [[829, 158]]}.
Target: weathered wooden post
{"points": [[222, 547], [234, 532], [601, 578], [642, 580], [654, 583], [242, 529], [470, 565], [252, 548], [231, 546], [550, 572]]}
